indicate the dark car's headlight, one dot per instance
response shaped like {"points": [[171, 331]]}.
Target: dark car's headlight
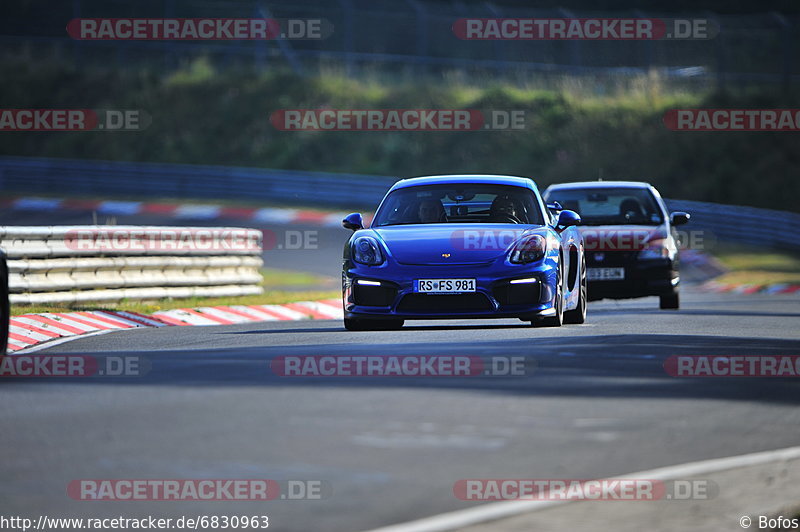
{"points": [[367, 251], [657, 249], [530, 249]]}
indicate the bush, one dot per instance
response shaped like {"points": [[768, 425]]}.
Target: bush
{"points": [[206, 117]]}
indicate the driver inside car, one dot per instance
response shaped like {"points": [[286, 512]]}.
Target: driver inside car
{"points": [[630, 209], [504, 209], [430, 211]]}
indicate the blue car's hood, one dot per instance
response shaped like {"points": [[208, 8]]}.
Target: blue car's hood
{"points": [[469, 243]]}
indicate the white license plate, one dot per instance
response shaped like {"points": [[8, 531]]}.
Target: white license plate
{"points": [[444, 286], [605, 274]]}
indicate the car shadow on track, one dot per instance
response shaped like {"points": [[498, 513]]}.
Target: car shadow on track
{"points": [[625, 366], [696, 312], [406, 328]]}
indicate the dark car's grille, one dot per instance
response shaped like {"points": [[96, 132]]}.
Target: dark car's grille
{"points": [[610, 258], [444, 303]]}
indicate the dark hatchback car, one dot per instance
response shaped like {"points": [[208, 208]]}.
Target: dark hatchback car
{"points": [[630, 239]]}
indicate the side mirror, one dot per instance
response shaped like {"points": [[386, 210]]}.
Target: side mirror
{"points": [[679, 218], [555, 206], [568, 219], [353, 221]]}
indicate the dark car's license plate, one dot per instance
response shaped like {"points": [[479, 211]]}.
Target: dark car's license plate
{"points": [[605, 274]]}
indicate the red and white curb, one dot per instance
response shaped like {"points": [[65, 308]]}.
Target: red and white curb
{"points": [[29, 330], [267, 215], [713, 268], [778, 288]]}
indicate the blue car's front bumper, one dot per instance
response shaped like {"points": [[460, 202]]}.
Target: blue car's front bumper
{"points": [[495, 296]]}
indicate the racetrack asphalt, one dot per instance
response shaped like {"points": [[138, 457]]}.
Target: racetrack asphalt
{"points": [[595, 401]]}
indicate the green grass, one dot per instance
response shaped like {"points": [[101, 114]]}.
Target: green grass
{"points": [[283, 278], [748, 266]]}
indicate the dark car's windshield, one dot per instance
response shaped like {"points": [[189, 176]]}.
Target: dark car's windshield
{"points": [[610, 206], [459, 203]]}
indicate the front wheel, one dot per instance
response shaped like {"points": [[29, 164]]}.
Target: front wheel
{"points": [[353, 324], [387, 325], [578, 315], [669, 301], [558, 305]]}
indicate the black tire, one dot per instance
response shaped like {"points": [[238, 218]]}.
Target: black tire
{"points": [[578, 315], [5, 310], [353, 324], [386, 325], [558, 319], [669, 301]]}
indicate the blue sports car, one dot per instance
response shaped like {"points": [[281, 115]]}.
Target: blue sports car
{"points": [[463, 246]]}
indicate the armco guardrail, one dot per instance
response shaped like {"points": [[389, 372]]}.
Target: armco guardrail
{"points": [[762, 228], [747, 225], [68, 264], [106, 178]]}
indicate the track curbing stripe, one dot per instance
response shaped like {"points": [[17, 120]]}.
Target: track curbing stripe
{"points": [[29, 330]]}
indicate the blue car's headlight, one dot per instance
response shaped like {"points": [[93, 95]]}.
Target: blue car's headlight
{"points": [[367, 251], [530, 249]]}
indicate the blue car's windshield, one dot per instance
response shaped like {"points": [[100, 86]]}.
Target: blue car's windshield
{"points": [[459, 203], [610, 206]]}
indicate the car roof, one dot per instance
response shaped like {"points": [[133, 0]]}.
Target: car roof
{"points": [[600, 184], [466, 178]]}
